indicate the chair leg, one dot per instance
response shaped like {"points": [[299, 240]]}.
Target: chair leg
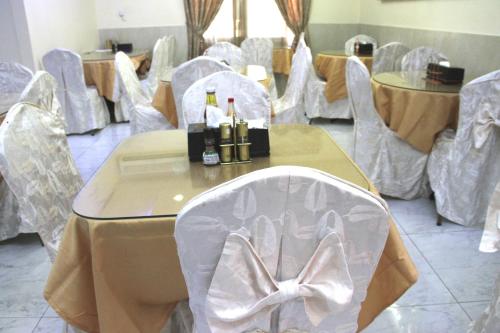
{"points": [[439, 221], [40, 239]]}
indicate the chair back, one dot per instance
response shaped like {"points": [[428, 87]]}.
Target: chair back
{"points": [[388, 57], [66, 67], [251, 100], [36, 162], [129, 82], [258, 51], [299, 74], [14, 78], [190, 72], [227, 52], [418, 59], [163, 60], [262, 235], [349, 44]]}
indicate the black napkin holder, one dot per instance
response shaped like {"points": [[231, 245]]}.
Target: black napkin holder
{"points": [[365, 49], [445, 75], [259, 137], [125, 47]]}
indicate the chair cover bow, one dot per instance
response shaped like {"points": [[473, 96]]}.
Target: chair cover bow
{"points": [[484, 122], [243, 291]]}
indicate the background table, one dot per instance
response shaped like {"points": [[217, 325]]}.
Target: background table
{"points": [[118, 269], [330, 65], [414, 108], [99, 69]]}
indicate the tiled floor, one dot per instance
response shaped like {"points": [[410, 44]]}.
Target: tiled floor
{"points": [[454, 287]]}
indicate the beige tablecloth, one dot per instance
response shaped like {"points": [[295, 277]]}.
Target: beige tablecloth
{"points": [[416, 116], [101, 73], [282, 60], [332, 68]]}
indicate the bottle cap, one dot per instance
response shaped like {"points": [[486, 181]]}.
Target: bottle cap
{"points": [[230, 100]]}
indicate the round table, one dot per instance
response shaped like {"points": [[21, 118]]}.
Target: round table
{"points": [[330, 65], [416, 109], [99, 69]]}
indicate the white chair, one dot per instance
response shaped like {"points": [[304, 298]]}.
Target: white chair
{"points": [[490, 242], [36, 161], [227, 52], [251, 100], [464, 167], [264, 236], [394, 166], [259, 51], [388, 57], [143, 117], [161, 65], [83, 109], [364, 39], [290, 107], [418, 59], [187, 74], [14, 78]]}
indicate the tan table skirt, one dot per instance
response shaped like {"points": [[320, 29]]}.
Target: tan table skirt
{"points": [[416, 116], [332, 68], [128, 271], [282, 60], [101, 73]]}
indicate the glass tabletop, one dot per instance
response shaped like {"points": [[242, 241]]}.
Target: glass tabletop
{"points": [[103, 55], [150, 175], [414, 80]]}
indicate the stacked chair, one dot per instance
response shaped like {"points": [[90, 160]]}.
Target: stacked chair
{"points": [[227, 52], [36, 162], [259, 51], [143, 117], [418, 59], [464, 166], [394, 166], [187, 74], [83, 109], [285, 249], [349, 44], [388, 57]]}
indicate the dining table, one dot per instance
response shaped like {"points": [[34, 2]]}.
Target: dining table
{"points": [[330, 65], [117, 269], [416, 108], [99, 69]]}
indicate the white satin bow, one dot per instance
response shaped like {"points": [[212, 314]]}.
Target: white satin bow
{"points": [[243, 291], [484, 122]]}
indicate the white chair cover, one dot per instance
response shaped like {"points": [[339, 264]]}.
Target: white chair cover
{"points": [[84, 110], [14, 78], [463, 168], [394, 166], [290, 107], [251, 100], [161, 65], [349, 45], [36, 161], [187, 74], [490, 242], [284, 213], [259, 51], [418, 59], [388, 57], [227, 52], [143, 117]]}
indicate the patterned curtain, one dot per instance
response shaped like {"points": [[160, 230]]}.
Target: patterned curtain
{"points": [[296, 15], [199, 15]]}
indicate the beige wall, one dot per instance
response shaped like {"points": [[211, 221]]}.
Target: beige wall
{"points": [[465, 16], [334, 11], [61, 23]]}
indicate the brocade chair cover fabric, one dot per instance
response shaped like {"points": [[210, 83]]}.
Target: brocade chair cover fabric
{"points": [[259, 51], [394, 166], [83, 109], [36, 161], [489, 321], [227, 52], [263, 233], [464, 167], [190, 72], [251, 100], [290, 107], [161, 65], [418, 59], [143, 117], [14, 78], [349, 45], [388, 57], [490, 242]]}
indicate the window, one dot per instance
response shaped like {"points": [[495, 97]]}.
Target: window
{"points": [[263, 19]]}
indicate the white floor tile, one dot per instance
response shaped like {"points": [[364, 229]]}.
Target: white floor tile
{"points": [[17, 325]]}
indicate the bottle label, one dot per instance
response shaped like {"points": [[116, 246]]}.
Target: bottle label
{"points": [[210, 158]]}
